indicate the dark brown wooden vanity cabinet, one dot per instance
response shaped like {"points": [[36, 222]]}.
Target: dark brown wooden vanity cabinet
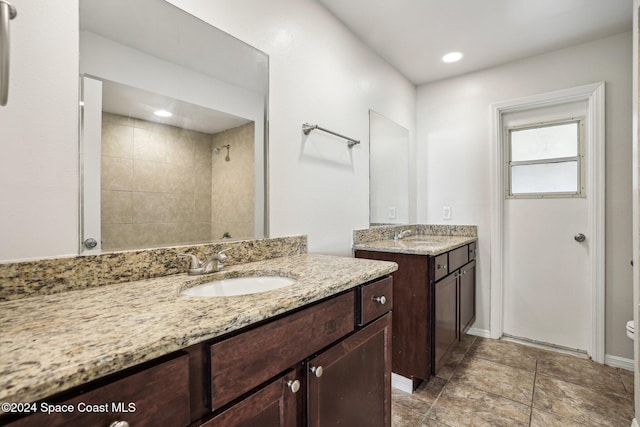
{"points": [[336, 358], [411, 335], [435, 305], [454, 306], [467, 289], [445, 313]]}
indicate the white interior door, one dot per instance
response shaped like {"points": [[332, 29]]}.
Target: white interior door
{"points": [[547, 265], [547, 292]]}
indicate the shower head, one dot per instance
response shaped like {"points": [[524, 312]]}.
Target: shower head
{"points": [[217, 151]]}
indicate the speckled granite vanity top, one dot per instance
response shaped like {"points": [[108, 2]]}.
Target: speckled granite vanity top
{"points": [[54, 342], [422, 244]]}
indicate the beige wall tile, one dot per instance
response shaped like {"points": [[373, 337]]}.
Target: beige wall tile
{"points": [[117, 140], [117, 119], [169, 178], [150, 144], [180, 207], [116, 173], [149, 176], [180, 179], [149, 208], [202, 208], [117, 236], [116, 207]]}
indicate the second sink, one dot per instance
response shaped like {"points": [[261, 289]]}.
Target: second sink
{"points": [[238, 286]]}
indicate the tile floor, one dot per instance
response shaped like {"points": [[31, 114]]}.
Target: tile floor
{"points": [[501, 383]]}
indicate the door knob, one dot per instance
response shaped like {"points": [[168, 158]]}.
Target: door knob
{"points": [[579, 237]]}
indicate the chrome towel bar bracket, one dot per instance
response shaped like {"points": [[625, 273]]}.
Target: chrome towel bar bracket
{"points": [[306, 128], [7, 13]]}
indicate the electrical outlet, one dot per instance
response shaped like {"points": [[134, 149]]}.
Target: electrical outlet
{"points": [[446, 212], [392, 213]]}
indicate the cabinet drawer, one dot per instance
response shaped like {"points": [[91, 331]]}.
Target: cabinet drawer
{"points": [[458, 257], [155, 396], [375, 300], [472, 251], [441, 266], [245, 361]]}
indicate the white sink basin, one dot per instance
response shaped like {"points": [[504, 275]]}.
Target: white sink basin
{"points": [[238, 286]]}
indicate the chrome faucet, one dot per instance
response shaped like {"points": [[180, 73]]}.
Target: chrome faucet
{"points": [[398, 235], [214, 263]]}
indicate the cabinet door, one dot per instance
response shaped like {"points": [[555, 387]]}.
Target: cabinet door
{"points": [[445, 318], [350, 383], [467, 279], [278, 404]]}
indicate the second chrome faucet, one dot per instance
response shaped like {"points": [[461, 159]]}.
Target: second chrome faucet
{"points": [[212, 264]]}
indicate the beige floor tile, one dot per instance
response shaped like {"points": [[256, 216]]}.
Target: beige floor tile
{"points": [[584, 372], [546, 419], [491, 383], [627, 379], [582, 404], [505, 352], [506, 381], [455, 358], [462, 405]]}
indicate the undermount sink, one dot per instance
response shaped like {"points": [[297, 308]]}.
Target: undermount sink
{"points": [[238, 286]]}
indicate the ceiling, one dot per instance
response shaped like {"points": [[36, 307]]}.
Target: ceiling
{"points": [[413, 35], [137, 103]]}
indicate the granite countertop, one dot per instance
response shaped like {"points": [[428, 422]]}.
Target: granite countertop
{"points": [[51, 343], [420, 244]]}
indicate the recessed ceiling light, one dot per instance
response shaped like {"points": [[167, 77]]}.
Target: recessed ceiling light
{"points": [[452, 57], [162, 113]]}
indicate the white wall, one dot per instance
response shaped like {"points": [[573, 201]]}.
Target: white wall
{"points": [[319, 73], [454, 151], [39, 134]]}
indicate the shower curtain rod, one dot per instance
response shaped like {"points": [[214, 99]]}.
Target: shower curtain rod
{"points": [[306, 128]]}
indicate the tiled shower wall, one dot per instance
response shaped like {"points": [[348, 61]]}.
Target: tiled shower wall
{"points": [[233, 188], [164, 186], [156, 184]]}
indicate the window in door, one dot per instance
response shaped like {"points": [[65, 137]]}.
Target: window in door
{"points": [[545, 160]]}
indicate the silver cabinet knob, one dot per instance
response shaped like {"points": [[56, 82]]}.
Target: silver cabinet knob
{"points": [[317, 371], [119, 424], [579, 237], [382, 300], [441, 266], [294, 385]]}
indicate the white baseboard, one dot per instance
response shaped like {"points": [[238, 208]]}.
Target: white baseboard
{"points": [[484, 333], [401, 383], [618, 362], [634, 423]]}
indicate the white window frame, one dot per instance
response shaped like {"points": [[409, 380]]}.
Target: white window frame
{"points": [[579, 158]]}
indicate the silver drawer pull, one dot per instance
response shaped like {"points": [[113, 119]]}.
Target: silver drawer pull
{"points": [[317, 371], [382, 300], [442, 266], [294, 385], [119, 424]]}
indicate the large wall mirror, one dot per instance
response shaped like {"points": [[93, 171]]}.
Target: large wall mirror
{"points": [[388, 171], [173, 129]]}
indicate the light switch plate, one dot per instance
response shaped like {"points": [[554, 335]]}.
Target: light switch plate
{"points": [[446, 212], [392, 212]]}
